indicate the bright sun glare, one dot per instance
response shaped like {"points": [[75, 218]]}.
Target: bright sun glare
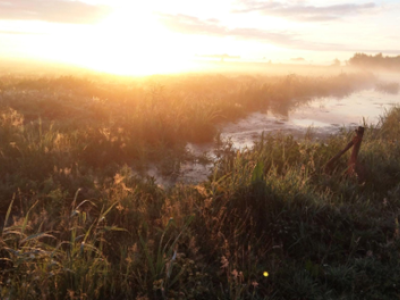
{"points": [[132, 42]]}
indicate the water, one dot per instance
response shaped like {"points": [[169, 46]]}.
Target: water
{"points": [[324, 115]]}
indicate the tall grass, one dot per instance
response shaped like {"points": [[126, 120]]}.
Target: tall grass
{"points": [[78, 224], [82, 125]]}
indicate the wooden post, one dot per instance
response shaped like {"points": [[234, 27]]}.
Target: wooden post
{"points": [[353, 165]]}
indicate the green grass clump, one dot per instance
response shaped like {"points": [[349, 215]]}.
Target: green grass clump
{"points": [[78, 223]]}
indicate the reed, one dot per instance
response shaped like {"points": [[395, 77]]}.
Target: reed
{"points": [[78, 223]]}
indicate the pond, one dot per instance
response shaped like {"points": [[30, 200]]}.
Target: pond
{"points": [[324, 116]]}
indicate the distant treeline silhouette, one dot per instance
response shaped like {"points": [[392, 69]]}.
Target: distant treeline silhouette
{"points": [[375, 61]]}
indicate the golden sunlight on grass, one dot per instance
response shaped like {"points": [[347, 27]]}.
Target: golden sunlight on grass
{"points": [[80, 217]]}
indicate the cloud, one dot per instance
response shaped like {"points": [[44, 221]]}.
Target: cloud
{"points": [[219, 56], [307, 13], [57, 11], [298, 59], [193, 25]]}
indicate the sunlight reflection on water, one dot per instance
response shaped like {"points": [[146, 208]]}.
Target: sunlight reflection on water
{"points": [[325, 115]]}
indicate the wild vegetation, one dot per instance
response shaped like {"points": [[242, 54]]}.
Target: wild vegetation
{"points": [[78, 223], [95, 127], [378, 61]]}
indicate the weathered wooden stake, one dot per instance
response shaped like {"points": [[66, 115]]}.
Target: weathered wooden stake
{"points": [[353, 165]]}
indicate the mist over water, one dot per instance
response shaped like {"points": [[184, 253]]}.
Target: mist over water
{"points": [[233, 91], [323, 116]]}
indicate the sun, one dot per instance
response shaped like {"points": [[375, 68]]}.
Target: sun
{"points": [[132, 42]]}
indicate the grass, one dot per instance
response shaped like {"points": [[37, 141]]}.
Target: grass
{"points": [[77, 223]]}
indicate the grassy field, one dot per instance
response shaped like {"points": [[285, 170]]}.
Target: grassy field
{"points": [[267, 224]]}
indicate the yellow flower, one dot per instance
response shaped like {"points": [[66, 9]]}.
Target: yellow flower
{"points": [[266, 274]]}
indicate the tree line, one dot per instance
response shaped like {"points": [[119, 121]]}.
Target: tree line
{"points": [[375, 61]]}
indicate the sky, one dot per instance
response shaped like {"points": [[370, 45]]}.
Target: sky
{"points": [[160, 36]]}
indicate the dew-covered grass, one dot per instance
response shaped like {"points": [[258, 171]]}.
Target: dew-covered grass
{"points": [[78, 223]]}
